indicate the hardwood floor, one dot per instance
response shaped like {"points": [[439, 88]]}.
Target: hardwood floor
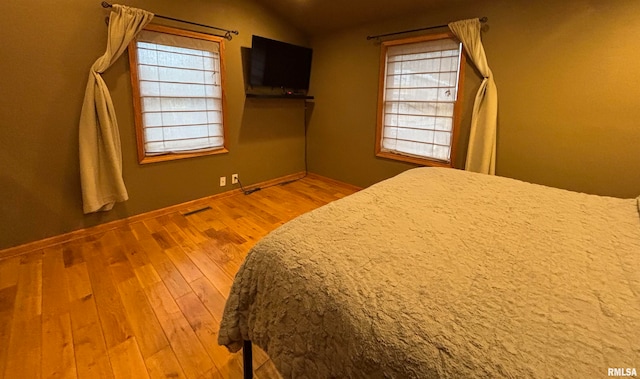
{"points": [[143, 300]]}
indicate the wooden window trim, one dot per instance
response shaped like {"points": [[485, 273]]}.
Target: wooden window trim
{"points": [[137, 103], [457, 108]]}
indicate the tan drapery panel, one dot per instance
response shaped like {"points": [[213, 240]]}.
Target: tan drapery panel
{"points": [[100, 151], [481, 155]]}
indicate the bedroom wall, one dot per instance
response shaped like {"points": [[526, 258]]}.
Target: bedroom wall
{"points": [[47, 50], [568, 94]]}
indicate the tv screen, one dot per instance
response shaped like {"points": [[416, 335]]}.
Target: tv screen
{"points": [[279, 64]]}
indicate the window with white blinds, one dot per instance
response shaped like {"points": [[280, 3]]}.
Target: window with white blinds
{"points": [[179, 103], [419, 95]]}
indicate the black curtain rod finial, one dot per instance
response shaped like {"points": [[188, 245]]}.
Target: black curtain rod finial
{"points": [[106, 5], [228, 34]]}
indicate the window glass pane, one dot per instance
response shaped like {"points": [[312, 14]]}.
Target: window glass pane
{"points": [[183, 118], [169, 104], [442, 138], [187, 144], [441, 152], [213, 91], [215, 130], [411, 121], [214, 117], [180, 92], [152, 119], [150, 104], [216, 141], [390, 132], [389, 144], [153, 134], [421, 85], [215, 103], [414, 148], [148, 88], [170, 49], [432, 80], [147, 57], [417, 135], [413, 94], [177, 145], [177, 60], [184, 76], [149, 73], [419, 108], [444, 123], [447, 79], [185, 132], [434, 46]]}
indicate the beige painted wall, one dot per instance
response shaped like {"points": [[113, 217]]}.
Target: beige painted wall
{"points": [[47, 48], [568, 87]]}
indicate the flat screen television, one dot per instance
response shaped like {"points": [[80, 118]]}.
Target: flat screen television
{"points": [[280, 65]]}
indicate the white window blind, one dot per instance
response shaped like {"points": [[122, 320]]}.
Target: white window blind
{"points": [[420, 90], [180, 93]]}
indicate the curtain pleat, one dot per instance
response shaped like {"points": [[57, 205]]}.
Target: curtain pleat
{"points": [[481, 154], [99, 138]]}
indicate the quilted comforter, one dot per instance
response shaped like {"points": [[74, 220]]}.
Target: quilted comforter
{"points": [[440, 273]]}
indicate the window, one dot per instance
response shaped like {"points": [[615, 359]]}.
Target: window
{"points": [[419, 101], [178, 88]]}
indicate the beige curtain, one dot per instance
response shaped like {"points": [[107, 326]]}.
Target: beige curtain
{"points": [[481, 155], [100, 154]]}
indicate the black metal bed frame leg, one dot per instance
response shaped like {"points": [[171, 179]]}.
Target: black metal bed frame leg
{"points": [[247, 360]]}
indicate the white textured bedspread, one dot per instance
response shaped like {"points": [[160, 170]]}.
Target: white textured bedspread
{"points": [[440, 273]]}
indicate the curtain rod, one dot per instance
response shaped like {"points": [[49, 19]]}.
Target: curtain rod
{"points": [[482, 20], [227, 33]]}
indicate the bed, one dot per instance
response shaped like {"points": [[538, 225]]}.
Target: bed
{"points": [[441, 273]]}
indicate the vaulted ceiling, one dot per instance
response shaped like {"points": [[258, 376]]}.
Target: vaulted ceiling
{"points": [[321, 16]]}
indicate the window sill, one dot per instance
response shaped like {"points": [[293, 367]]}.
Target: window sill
{"points": [[176, 156], [414, 160]]}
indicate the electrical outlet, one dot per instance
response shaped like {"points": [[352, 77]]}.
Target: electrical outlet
{"points": [[234, 178], [223, 181]]}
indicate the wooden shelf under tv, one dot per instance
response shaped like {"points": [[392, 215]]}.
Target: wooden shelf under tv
{"points": [[271, 96]]}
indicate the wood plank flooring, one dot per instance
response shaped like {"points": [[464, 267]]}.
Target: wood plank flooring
{"points": [[143, 300]]}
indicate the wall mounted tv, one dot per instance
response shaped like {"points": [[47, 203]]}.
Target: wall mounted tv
{"points": [[280, 65]]}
